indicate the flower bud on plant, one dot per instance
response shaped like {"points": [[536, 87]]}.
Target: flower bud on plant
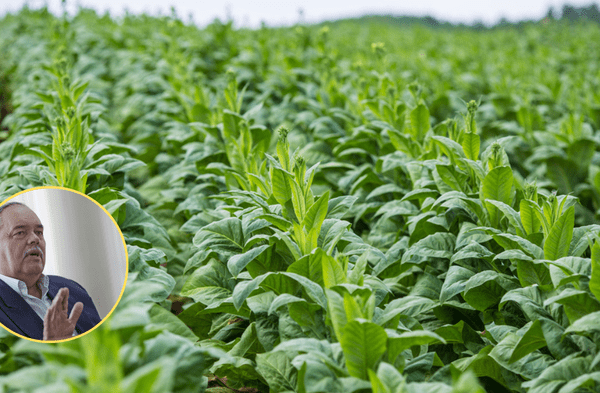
{"points": [[67, 151], [283, 133], [530, 192], [378, 48], [283, 148], [71, 112], [299, 168], [472, 107], [299, 160], [495, 159], [60, 122]]}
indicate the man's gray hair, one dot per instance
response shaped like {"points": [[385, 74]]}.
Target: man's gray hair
{"points": [[7, 205]]}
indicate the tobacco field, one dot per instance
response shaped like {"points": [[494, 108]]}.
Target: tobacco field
{"points": [[356, 206]]}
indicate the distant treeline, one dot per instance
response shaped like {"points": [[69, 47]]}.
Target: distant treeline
{"points": [[567, 13], [571, 13]]}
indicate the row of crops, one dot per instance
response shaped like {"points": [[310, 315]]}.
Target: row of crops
{"points": [[358, 207]]}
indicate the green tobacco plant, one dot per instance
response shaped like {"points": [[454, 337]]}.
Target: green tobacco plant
{"points": [[72, 140], [291, 186], [244, 144], [377, 242]]}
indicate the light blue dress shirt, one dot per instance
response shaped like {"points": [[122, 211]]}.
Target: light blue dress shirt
{"points": [[40, 306]]}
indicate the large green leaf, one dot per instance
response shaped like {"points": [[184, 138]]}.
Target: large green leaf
{"points": [[511, 215], [154, 377], [509, 241], [450, 176], [363, 344], [308, 266], [387, 379], [336, 312], [238, 262], [414, 338], [331, 233], [419, 120], [534, 272], [282, 300], [529, 218], [237, 368], [558, 375], [450, 148], [569, 269], [437, 245], [556, 245], [209, 284], [161, 319], [587, 325], [455, 281], [307, 315], [224, 236], [333, 271], [528, 299], [316, 213], [280, 183], [473, 256], [589, 381], [471, 145], [582, 239], [530, 341], [530, 366], [412, 306], [243, 289], [485, 289], [595, 278], [482, 365], [497, 185], [276, 368], [338, 207], [191, 361], [576, 303], [560, 346], [314, 291], [195, 319]]}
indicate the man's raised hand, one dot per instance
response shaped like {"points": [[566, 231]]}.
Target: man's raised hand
{"points": [[58, 325]]}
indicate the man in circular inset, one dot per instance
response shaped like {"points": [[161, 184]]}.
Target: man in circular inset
{"points": [[33, 304]]}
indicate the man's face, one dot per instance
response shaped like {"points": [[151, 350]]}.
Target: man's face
{"points": [[22, 244]]}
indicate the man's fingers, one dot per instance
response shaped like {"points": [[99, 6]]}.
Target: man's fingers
{"points": [[76, 312], [58, 299], [57, 325], [49, 314], [65, 299], [61, 301]]}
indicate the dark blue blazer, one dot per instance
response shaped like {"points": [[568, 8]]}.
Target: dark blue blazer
{"points": [[18, 316]]}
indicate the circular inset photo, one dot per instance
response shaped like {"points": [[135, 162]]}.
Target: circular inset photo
{"points": [[63, 264]]}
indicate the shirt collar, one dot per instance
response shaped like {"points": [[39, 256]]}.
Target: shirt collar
{"points": [[21, 288]]}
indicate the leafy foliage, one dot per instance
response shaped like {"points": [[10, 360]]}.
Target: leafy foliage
{"points": [[316, 209]]}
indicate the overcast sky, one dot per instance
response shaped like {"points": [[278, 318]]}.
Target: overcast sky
{"points": [[252, 13]]}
